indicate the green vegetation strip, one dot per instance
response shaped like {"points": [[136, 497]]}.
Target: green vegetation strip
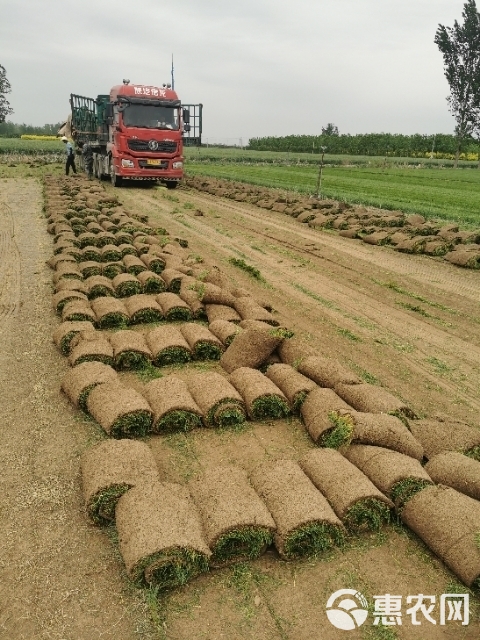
{"points": [[178, 421], [95, 358], [367, 514], [101, 507], [131, 360], [178, 314], [206, 351], [312, 539], [172, 355], [128, 288], [170, 569], [269, 407], [132, 425], [404, 490], [474, 453], [110, 320], [340, 434], [245, 543], [146, 316], [241, 264]]}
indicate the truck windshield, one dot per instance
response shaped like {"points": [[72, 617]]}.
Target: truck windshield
{"points": [[150, 117]]}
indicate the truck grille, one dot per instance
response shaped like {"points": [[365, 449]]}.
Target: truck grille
{"points": [[142, 145]]}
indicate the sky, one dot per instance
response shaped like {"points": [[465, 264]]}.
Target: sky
{"points": [[259, 67]]}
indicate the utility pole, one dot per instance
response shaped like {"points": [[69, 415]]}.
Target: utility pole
{"points": [[173, 79], [320, 170], [433, 146]]}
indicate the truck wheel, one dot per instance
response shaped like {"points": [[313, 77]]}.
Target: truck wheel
{"points": [[116, 180], [170, 184]]}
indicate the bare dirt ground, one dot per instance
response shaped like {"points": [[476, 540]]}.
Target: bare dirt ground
{"points": [[410, 323]]}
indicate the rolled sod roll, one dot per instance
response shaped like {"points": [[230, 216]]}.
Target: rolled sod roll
{"points": [[91, 253], [110, 312], [58, 258], [438, 436], [210, 293], [293, 385], [64, 246], [237, 524], [262, 397], [217, 277], [251, 310], [153, 262], [98, 286], [133, 264], [130, 350], [191, 298], [67, 270], [109, 470], [250, 348], [354, 498], [126, 284], [221, 312], [467, 259], [160, 535], [151, 282], [326, 372], [384, 430], [203, 344], [111, 253], [87, 239], [295, 350], [396, 475], [78, 310], [173, 279], [224, 330], [127, 249], [168, 346], [90, 268], [372, 399], [140, 248], [306, 524], [259, 324], [173, 307], [60, 299], [66, 331], [143, 308], [90, 346], [448, 522], [80, 380], [457, 471], [220, 403], [112, 269], [104, 238], [121, 411], [174, 408], [321, 415]]}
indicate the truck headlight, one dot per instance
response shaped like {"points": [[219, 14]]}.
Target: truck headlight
{"points": [[128, 163], [177, 165]]}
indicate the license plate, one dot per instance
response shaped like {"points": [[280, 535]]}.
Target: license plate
{"points": [[154, 162]]}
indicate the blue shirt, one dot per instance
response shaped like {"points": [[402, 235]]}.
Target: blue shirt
{"points": [[69, 149]]}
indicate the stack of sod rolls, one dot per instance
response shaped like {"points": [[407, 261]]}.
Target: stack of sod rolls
{"points": [[173, 407], [251, 348], [130, 351], [111, 468], [457, 471], [437, 436], [326, 372], [79, 381], [321, 413], [262, 397], [293, 384], [306, 524], [236, 522], [160, 535], [220, 403], [354, 498], [372, 399]]}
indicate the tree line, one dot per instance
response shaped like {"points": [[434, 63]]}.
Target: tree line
{"points": [[12, 130]]}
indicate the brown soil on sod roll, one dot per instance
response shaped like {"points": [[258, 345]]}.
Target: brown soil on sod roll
{"points": [[153, 262], [221, 312], [210, 293], [467, 259], [293, 384], [173, 279], [457, 471], [383, 430], [91, 347], [219, 401], [438, 436], [90, 268], [133, 264], [191, 298], [58, 258], [120, 410], [372, 399], [174, 408], [168, 346], [67, 270], [160, 535], [173, 307], [60, 299], [217, 277], [326, 372], [78, 310], [111, 468], [111, 253], [91, 252], [306, 524], [251, 310], [262, 397], [110, 312], [130, 350], [65, 331], [143, 308], [250, 348], [151, 282], [98, 286], [396, 475], [318, 413], [295, 350], [237, 524], [202, 342], [80, 380], [448, 522], [224, 330], [346, 487], [126, 284], [127, 249]]}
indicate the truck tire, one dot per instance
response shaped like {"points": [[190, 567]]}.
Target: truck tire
{"points": [[116, 180], [171, 184]]}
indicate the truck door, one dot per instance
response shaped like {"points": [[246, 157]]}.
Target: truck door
{"points": [[193, 137]]}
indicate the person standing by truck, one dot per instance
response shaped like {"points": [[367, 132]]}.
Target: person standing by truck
{"points": [[70, 156], [87, 153]]}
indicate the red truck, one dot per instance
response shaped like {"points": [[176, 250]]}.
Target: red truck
{"points": [[136, 132]]}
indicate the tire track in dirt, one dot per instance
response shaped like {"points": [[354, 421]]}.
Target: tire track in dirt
{"points": [[9, 265]]}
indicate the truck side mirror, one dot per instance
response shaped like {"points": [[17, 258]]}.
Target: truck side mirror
{"points": [[186, 127], [186, 116], [109, 113]]}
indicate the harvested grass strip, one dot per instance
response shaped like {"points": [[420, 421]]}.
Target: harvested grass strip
{"points": [[262, 397], [143, 308], [66, 331], [168, 346], [320, 412], [80, 380], [249, 309], [174, 308], [91, 346], [160, 535], [241, 264], [445, 434], [110, 312], [326, 372], [151, 282], [295, 350], [457, 471], [448, 522], [225, 331], [130, 351], [220, 403], [78, 311], [60, 299], [90, 268], [67, 270], [237, 524], [250, 348], [58, 258], [306, 524], [99, 286], [112, 269], [91, 253], [191, 298], [87, 239], [173, 407], [221, 312], [111, 253], [293, 385], [126, 284], [127, 250], [133, 264], [173, 279], [204, 345], [372, 399], [119, 410]]}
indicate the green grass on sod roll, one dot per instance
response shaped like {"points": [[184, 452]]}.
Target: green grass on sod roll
{"points": [[226, 413], [313, 539], [131, 360], [269, 407], [146, 316], [95, 358], [157, 266], [128, 288], [79, 317], [101, 508], [171, 568], [403, 490], [474, 453], [132, 425], [153, 285], [207, 351], [65, 346], [92, 271], [178, 421], [281, 332], [83, 397], [135, 269], [112, 270], [91, 255], [63, 302], [129, 251], [172, 355], [112, 255], [298, 400], [369, 513], [113, 319], [178, 314], [99, 291], [340, 434], [246, 543]]}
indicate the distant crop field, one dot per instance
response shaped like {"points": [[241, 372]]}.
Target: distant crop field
{"points": [[30, 147]]}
